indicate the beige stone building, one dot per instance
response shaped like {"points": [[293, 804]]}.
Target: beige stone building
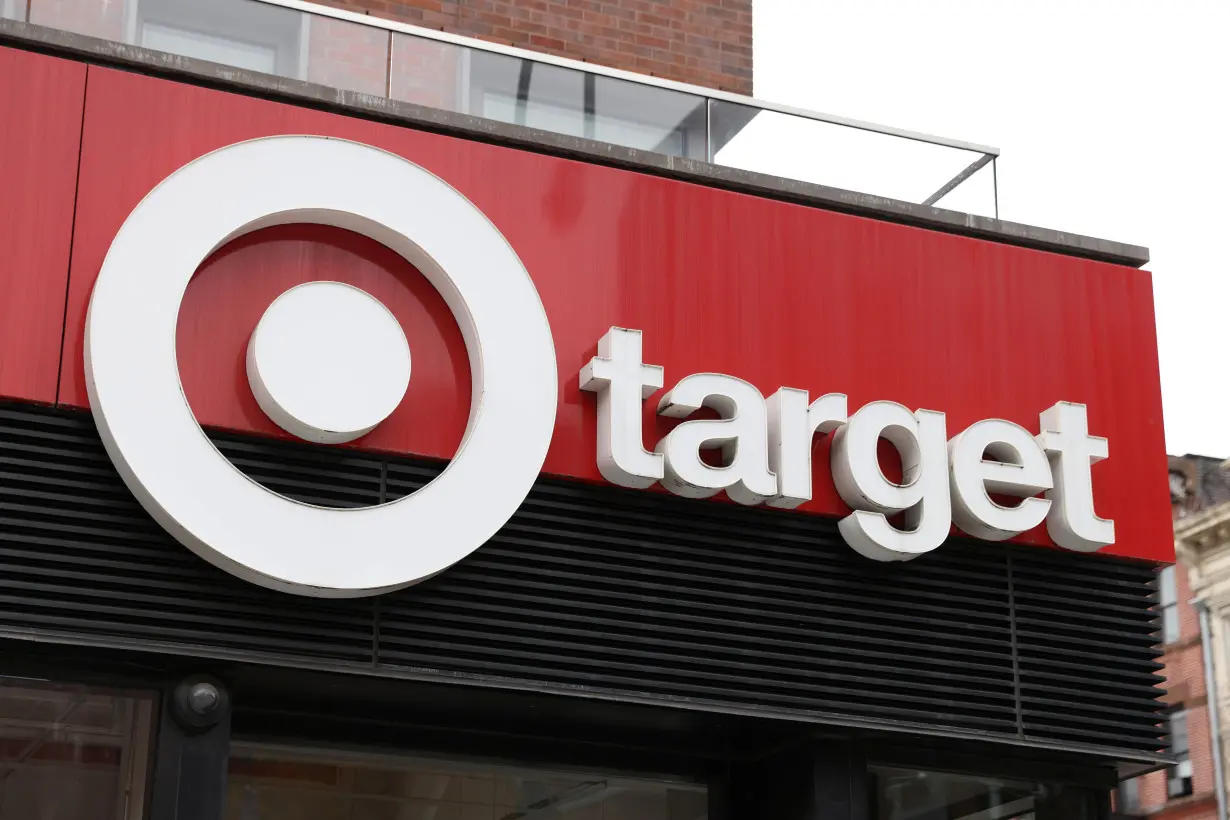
{"points": [[1195, 650], [1202, 547]]}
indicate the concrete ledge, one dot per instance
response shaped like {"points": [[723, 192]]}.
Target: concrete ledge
{"points": [[105, 52]]}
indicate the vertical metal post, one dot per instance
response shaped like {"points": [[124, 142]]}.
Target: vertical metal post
{"points": [[524, 78], [995, 183], [388, 69], [708, 130], [1210, 691], [194, 741], [589, 103]]}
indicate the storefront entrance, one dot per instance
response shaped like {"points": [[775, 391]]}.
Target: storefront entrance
{"points": [[74, 751]]}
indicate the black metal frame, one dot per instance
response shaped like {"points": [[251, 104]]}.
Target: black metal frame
{"points": [[754, 769]]}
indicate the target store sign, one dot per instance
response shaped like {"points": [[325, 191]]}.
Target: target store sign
{"points": [[303, 378], [286, 272]]}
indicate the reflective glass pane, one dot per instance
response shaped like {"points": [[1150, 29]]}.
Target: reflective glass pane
{"points": [[346, 55], [1178, 733], [107, 19], [540, 95], [1170, 624], [840, 156], [430, 73], [13, 9], [908, 794], [523, 92], [70, 753], [1127, 799], [1166, 586], [240, 33], [188, 43], [267, 784], [648, 118]]}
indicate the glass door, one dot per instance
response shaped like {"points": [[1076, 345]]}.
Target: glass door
{"points": [[72, 753], [281, 783]]}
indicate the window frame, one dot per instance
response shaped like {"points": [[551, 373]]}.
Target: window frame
{"points": [[1179, 772], [1127, 797], [1168, 605]]}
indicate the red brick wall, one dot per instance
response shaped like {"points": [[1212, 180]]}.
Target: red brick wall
{"points": [[1153, 794], [705, 42], [1184, 674]]}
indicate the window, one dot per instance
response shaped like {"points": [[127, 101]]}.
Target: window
{"points": [[907, 794], [13, 9], [232, 32], [1169, 605], [1178, 487], [274, 783], [1179, 776], [1127, 798], [251, 56], [71, 753]]}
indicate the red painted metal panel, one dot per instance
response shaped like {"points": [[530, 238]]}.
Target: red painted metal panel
{"points": [[775, 293], [41, 101]]}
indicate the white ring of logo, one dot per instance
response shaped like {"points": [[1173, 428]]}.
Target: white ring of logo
{"points": [[183, 481]]}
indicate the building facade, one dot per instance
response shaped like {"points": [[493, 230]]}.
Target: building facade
{"points": [[1199, 490], [1201, 541], [397, 426]]}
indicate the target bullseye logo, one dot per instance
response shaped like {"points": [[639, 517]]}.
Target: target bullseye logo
{"points": [[327, 362]]}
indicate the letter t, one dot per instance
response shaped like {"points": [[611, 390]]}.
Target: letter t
{"points": [[1071, 522], [622, 383]]}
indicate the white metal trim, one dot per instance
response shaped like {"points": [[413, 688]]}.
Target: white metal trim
{"points": [[620, 74]]}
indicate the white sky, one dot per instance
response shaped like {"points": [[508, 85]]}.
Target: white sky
{"points": [[1112, 119]]}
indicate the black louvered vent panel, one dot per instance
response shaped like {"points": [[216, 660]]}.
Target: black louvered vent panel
{"points": [[1088, 651], [615, 592], [78, 554], [327, 477], [641, 593]]}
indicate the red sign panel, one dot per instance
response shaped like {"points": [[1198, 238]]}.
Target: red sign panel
{"points": [[40, 136], [774, 293]]}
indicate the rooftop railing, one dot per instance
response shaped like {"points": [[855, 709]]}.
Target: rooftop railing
{"points": [[385, 58]]}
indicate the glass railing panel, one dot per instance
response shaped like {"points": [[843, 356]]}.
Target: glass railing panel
{"points": [[838, 156], [377, 59], [346, 55], [429, 73], [523, 92], [13, 9], [552, 98], [240, 33], [649, 118], [94, 18]]}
